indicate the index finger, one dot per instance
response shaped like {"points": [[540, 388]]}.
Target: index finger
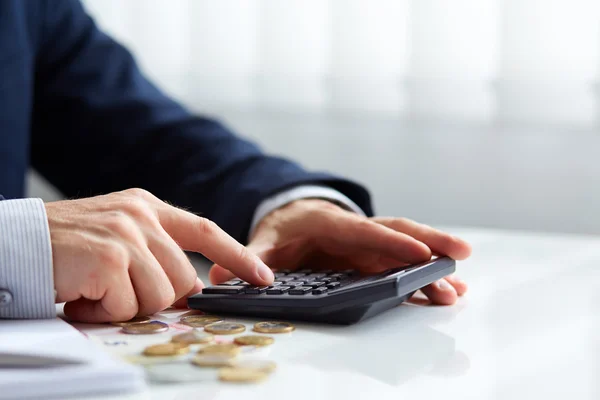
{"points": [[201, 235]]}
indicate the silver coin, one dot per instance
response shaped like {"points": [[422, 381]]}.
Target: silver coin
{"points": [[146, 328], [177, 373]]}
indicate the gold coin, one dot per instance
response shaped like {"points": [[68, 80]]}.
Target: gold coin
{"points": [[254, 340], [193, 337], [199, 321], [242, 375], [134, 320], [273, 327], [146, 328], [261, 365], [221, 348], [225, 328], [213, 360], [167, 349]]}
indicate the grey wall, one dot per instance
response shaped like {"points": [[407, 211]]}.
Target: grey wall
{"points": [[532, 178]]}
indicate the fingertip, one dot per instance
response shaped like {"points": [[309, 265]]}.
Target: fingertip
{"points": [[441, 293], [461, 249], [265, 273], [460, 286]]}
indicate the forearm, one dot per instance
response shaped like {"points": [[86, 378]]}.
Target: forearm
{"points": [[26, 279]]}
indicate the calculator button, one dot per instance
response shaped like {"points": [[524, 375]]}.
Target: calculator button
{"points": [[300, 290], [297, 274], [315, 284], [279, 274], [294, 283], [285, 278], [333, 285], [319, 290], [305, 271], [337, 276], [276, 284], [232, 282], [223, 290], [256, 289], [321, 275], [326, 280], [286, 271], [278, 290]]}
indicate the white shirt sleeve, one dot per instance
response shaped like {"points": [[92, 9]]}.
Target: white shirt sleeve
{"points": [[26, 275], [302, 192]]}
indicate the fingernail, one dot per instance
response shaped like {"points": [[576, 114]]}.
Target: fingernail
{"points": [[444, 285], [265, 272]]}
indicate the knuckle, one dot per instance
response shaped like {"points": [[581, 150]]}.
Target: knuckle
{"points": [[113, 256], [139, 209], [244, 253], [205, 226], [120, 223], [137, 192]]}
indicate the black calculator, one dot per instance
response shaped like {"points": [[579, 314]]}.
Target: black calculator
{"points": [[336, 297]]}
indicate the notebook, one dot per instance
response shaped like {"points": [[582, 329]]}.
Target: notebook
{"points": [[99, 373]]}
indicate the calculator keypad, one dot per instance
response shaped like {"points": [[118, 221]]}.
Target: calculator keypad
{"points": [[292, 283]]}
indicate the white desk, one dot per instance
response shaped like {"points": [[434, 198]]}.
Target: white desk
{"points": [[529, 328]]}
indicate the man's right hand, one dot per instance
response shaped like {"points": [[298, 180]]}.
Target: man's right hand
{"points": [[122, 254]]}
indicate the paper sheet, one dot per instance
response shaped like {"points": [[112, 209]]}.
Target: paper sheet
{"points": [[101, 373]]}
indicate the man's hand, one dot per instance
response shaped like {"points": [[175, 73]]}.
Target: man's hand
{"points": [[120, 255], [319, 234]]}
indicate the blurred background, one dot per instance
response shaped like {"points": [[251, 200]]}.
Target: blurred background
{"points": [[453, 112]]}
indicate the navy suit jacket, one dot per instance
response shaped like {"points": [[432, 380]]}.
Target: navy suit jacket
{"points": [[74, 106]]}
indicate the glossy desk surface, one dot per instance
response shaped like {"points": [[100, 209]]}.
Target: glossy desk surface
{"points": [[529, 328]]}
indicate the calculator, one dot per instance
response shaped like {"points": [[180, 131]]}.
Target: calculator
{"points": [[326, 296]]}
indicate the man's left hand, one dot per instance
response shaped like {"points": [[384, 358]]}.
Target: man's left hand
{"points": [[319, 234]]}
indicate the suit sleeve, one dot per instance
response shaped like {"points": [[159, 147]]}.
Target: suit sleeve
{"points": [[101, 126]]}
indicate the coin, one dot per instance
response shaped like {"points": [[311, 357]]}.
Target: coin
{"points": [[134, 320], [241, 375], [174, 373], [273, 327], [261, 365], [194, 336], [199, 321], [166, 349], [222, 348], [146, 328], [213, 360], [254, 340], [225, 328], [145, 360]]}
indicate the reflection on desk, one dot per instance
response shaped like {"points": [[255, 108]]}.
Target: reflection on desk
{"points": [[527, 329]]}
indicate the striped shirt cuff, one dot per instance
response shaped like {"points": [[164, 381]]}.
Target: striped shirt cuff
{"points": [[302, 192], [26, 260]]}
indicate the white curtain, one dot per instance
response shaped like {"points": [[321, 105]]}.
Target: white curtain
{"points": [[482, 61]]}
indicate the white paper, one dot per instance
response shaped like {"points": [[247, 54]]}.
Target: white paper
{"points": [[101, 373]]}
